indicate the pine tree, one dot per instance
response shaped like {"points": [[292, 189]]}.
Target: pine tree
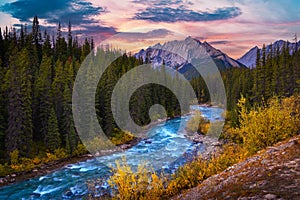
{"points": [[47, 50], [269, 73], [36, 51], [61, 47], [52, 138], [3, 113], [276, 73], [69, 136], [70, 40], [86, 49], [256, 91], [20, 129], [57, 89], [43, 101]]}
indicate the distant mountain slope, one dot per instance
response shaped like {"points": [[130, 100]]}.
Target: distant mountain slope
{"points": [[190, 49], [249, 58], [273, 173]]}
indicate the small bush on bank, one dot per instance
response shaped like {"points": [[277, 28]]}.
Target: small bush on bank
{"points": [[121, 137], [79, 150], [135, 185], [197, 123], [60, 153]]}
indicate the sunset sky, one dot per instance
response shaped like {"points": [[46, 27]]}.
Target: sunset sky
{"points": [[233, 26]]}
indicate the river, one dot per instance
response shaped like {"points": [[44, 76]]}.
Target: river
{"points": [[166, 148]]}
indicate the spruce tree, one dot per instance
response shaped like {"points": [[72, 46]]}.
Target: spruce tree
{"points": [[57, 89], [70, 40], [43, 102], [20, 129], [52, 138], [69, 135]]}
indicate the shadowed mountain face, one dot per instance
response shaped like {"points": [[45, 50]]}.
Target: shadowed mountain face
{"points": [[249, 58], [186, 51]]}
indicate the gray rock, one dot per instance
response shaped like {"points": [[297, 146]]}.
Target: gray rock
{"points": [[12, 180], [3, 180], [68, 194], [270, 196]]}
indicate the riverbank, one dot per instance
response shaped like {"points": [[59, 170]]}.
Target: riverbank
{"points": [[46, 168], [41, 170]]}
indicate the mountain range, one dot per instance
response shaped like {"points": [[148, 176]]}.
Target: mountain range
{"points": [[191, 48], [249, 58], [186, 50]]}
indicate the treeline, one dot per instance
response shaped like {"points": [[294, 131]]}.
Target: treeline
{"points": [[277, 73], [37, 75], [143, 98]]}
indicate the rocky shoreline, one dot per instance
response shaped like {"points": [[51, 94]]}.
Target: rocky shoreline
{"points": [[211, 146], [41, 170], [47, 168]]}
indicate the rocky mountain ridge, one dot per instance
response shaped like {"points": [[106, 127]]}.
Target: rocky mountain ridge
{"points": [[179, 54], [249, 58]]}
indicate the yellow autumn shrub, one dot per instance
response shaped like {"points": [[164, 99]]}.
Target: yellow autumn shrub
{"points": [[193, 173], [50, 157], [266, 125], [197, 123], [121, 137], [36, 160], [142, 184]]}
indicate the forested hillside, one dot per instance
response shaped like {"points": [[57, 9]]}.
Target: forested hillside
{"points": [[37, 76], [277, 74]]}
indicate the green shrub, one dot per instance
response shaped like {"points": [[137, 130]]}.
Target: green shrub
{"points": [[79, 150], [60, 153], [14, 157], [3, 170]]}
